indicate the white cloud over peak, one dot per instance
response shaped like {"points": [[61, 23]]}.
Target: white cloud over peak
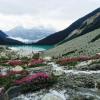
{"points": [[8, 22], [30, 13]]}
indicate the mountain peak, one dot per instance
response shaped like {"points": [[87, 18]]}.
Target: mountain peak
{"points": [[97, 10], [33, 34], [88, 23], [2, 34]]}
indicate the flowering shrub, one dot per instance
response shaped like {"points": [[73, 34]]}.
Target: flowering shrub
{"points": [[8, 79], [34, 62], [15, 62], [31, 78], [35, 81], [18, 72], [5, 81], [70, 60], [76, 59], [3, 76]]}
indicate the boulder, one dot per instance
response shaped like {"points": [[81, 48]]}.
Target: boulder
{"points": [[51, 97], [57, 71], [54, 95], [12, 92], [18, 68], [98, 84], [48, 58], [90, 67]]}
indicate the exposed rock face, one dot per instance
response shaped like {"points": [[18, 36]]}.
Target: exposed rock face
{"points": [[52, 97], [12, 92], [18, 68], [89, 67], [57, 72], [2, 93], [98, 84], [4, 40]]}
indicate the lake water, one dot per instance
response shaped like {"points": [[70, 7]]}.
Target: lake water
{"points": [[30, 48]]}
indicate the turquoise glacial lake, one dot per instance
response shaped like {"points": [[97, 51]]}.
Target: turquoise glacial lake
{"points": [[30, 48]]}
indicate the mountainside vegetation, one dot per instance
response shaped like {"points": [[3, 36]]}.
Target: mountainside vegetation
{"points": [[5, 40], [88, 44], [80, 27], [82, 38]]}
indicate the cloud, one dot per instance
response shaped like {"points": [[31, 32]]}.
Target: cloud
{"points": [[56, 13], [20, 39], [8, 22], [94, 1]]}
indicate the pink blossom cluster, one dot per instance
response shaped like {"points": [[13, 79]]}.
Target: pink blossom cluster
{"points": [[15, 62], [32, 78], [4, 76], [30, 63], [18, 72], [35, 62], [76, 59]]}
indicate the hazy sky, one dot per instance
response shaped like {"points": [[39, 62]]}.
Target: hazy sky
{"points": [[54, 13]]}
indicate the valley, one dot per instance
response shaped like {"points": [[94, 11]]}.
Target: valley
{"points": [[63, 65]]}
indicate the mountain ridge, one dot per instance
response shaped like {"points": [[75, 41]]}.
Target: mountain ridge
{"points": [[60, 36], [82, 41], [85, 45], [35, 33], [5, 40]]}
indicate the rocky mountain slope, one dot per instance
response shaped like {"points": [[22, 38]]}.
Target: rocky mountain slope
{"points": [[80, 27], [5, 40], [88, 44]]}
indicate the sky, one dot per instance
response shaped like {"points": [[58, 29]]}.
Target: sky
{"points": [[48, 13]]}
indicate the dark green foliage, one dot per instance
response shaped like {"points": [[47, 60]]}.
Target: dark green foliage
{"points": [[70, 64], [5, 82], [38, 84], [70, 52], [96, 38], [3, 59], [38, 65], [36, 56]]}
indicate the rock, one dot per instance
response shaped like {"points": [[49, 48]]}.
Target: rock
{"points": [[94, 67], [82, 97], [47, 58], [18, 68], [54, 95], [1, 90], [4, 71], [98, 84], [90, 67], [57, 71], [3, 95], [51, 97], [13, 92], [21, 97], [84, 63]]}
